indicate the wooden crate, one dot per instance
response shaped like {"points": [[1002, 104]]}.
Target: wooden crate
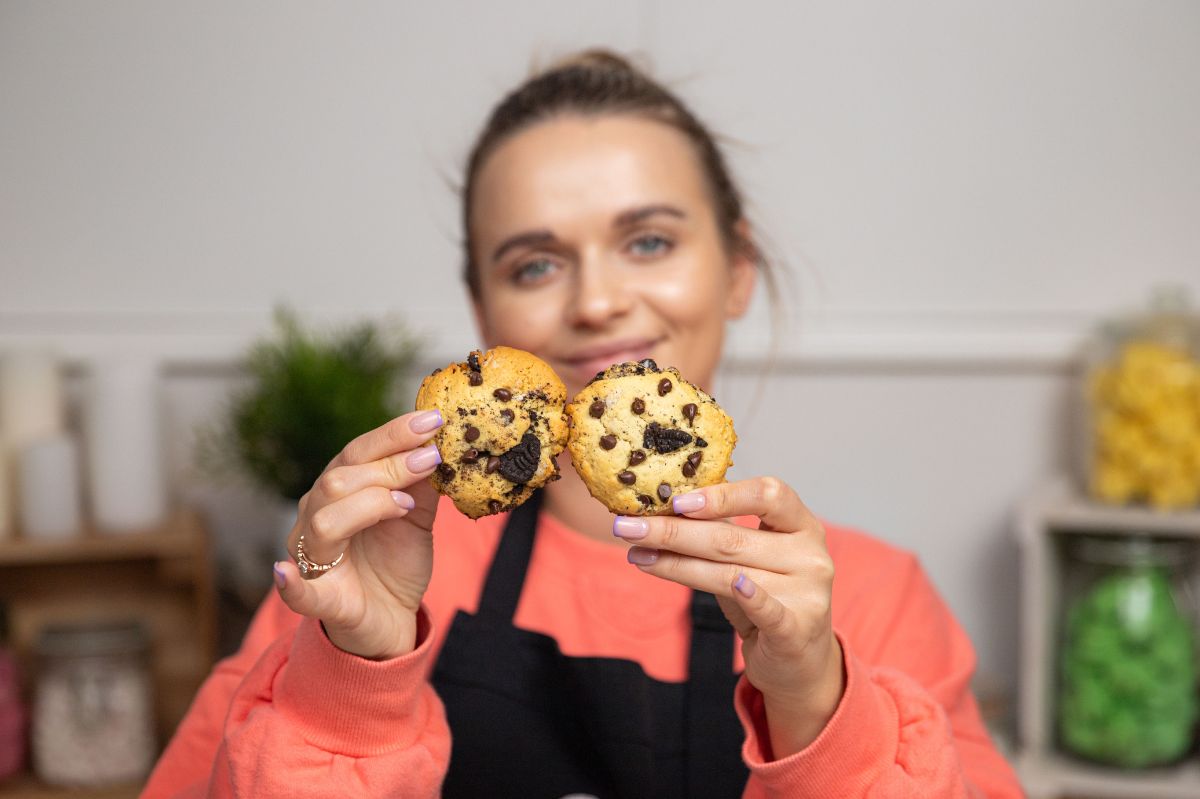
{"points": [[1042, 525], [161, 578]]}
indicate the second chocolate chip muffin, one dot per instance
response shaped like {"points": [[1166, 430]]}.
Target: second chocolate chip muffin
{"points": [[503, 428], [640, 435]]}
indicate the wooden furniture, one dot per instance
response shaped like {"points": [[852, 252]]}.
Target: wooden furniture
{"points": [[161, 577], [1043, 524]]}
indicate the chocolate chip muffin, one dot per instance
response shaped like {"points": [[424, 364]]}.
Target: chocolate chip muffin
{"points": [[503, 427], [640, 435]]}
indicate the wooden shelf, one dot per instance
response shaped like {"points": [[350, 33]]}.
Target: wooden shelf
{"points": [[1053, 775], [26, 786], [177, 537], [1060, 506]]}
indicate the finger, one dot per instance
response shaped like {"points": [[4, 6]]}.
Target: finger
{"points": [[769, 498], [400, 434], [400, 470], [305, 597], [330, 527], [695, 573], [768, 615], [720, 541]]}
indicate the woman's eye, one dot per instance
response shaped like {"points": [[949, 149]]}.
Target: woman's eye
{"points": [[649, 246], [533, 271]]}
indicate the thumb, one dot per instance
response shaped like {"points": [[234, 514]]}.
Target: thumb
{"points": [[764, 611], [297, 593]]}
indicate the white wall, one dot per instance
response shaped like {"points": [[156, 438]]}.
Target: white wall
{"points": [[961, 189]]}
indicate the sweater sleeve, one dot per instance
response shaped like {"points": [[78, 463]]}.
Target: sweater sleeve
{"points": [[907, 724], [292, 715]]}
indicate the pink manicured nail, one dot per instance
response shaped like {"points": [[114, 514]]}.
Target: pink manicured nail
{"points": [[280, 577], [423, 459], [424, 422], [641, 556], [743, 586], [404, 500], [688, 503], [630, 528]]}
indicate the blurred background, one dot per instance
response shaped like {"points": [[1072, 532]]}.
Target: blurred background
{"points": [[988, 212]]}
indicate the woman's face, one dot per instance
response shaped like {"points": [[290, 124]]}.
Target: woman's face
{"points": [[596, 242]]}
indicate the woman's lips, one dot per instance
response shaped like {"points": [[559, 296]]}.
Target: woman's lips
{"points": [[588, 367]]}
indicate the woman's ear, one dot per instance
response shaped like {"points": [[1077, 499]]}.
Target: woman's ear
{"points": [[744, 274]]}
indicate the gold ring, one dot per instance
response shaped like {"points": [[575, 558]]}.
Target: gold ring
{"points": [[309, 569]]}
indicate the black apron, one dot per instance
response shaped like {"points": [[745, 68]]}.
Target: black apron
{"points": [[528, 721]]}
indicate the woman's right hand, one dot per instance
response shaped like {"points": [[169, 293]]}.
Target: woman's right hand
{"points": [[368, 603]]}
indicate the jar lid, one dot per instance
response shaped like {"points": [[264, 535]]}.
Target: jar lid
{"points": [[1134, 549], [99, 638]]}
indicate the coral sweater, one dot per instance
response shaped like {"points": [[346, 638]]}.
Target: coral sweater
{"points": [[291, 715]]}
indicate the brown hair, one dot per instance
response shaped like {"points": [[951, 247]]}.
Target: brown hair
{"points": [[595, 82]]}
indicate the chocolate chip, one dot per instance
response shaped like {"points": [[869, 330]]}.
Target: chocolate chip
{"points": [[664, 387], [474, 378], [695, 459], [608, 442], [664, 439], [470, 456], [628, 478], [664, 491], [649, 364], [689, 412], [473, 361], [494, 505], [502, 394], [638, 406], [689, 470], [520, 463], [445, 472], [435, 371], [700, 442], [596, 409], [472, 433], [493, 463], [636, 457], [461, 411], [645, 500], [507, 415]]}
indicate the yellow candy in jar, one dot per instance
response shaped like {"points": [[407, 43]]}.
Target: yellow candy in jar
{"points": [[1146, 411]]}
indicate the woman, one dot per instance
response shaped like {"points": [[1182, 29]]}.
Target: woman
{"points": [[539, 654]]}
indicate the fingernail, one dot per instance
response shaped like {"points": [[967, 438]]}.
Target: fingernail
{"points": [[424, 422], [630, 527], [641, 556], [404, 500], [424, 459], [280, 577], [743, 586], [688, 503]]}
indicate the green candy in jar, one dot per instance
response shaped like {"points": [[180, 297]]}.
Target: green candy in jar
{"points": [[1128, 671]]}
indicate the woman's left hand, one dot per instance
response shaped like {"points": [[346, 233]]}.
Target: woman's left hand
{"points": [[774, 585]]}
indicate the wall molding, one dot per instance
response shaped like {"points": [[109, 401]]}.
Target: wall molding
{"points": [[215, 339]]}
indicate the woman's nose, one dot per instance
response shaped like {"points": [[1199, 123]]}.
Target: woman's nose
{"points": [[600, 294]]}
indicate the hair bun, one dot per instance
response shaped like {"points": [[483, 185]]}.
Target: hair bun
{"points": [[594, 59]]}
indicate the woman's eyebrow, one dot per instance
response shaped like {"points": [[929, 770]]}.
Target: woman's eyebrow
{"points": [[635, 215], [531, 238]]}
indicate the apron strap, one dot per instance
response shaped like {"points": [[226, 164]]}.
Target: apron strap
{"points": [[713, 733], [506, 575]]}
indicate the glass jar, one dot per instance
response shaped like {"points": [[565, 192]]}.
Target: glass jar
{"points": [[1141, 437], [93, 719], [1127, 653]]}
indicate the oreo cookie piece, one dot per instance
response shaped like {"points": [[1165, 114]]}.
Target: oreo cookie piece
{"points": [[504, 427], [640, 435]]}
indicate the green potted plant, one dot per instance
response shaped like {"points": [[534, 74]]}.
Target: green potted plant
{"points": [[308, 394]]}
